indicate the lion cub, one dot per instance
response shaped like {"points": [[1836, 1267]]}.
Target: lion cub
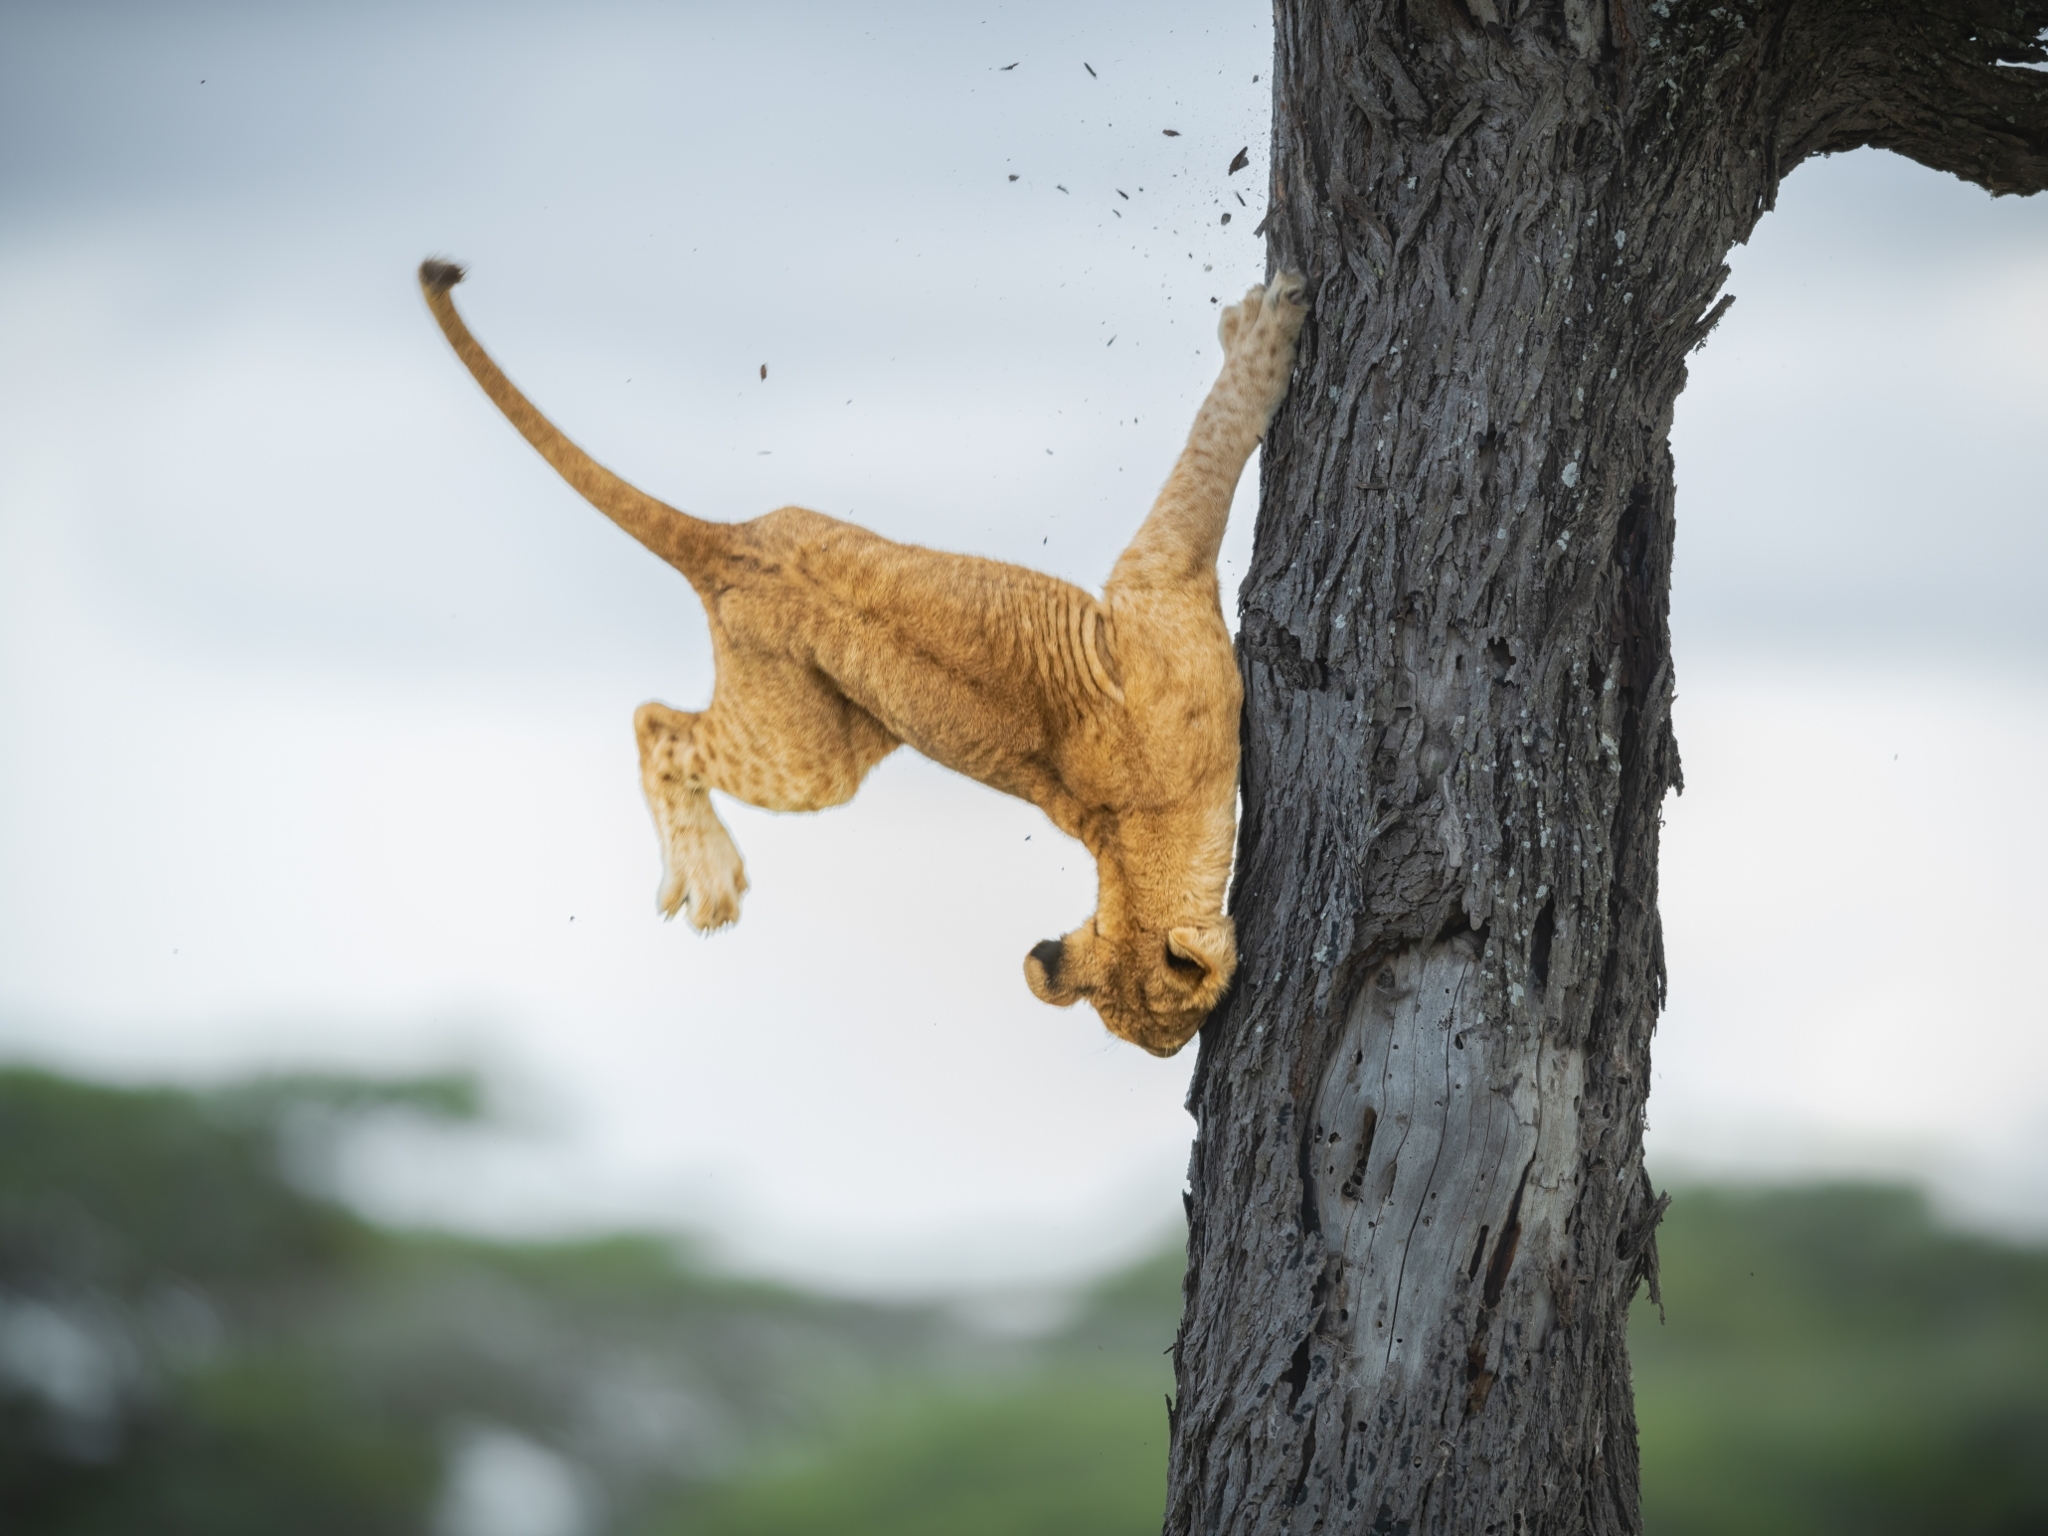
{"points": [[1117, 716]]}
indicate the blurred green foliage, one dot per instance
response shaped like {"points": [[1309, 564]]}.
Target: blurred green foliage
{"points": [[192, 1344], [1072, 1452], [1834, 1363], [1075, 1446], [192, 1341]]}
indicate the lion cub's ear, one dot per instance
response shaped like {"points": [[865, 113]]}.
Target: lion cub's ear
{"points": [[1204, 956], [1042, 974]]}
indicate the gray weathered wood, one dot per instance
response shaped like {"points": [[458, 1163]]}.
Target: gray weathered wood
{"points": [[1418, 1207]]}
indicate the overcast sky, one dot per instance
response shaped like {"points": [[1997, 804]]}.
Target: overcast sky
{"points": [[318, 685]]}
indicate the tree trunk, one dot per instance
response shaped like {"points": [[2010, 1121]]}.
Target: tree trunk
{"points": [[1419, 1210]]}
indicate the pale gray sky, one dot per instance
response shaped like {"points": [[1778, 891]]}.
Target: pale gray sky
{"points": [[319, 685]]}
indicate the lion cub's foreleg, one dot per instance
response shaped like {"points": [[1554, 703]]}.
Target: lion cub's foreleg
{"points": [[1177, 544], [700, 866]]}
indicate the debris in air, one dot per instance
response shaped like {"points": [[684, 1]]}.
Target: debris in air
{"points": [[1120, 192], [1059, 188], [1013, 175], [1111, 342], [1226, 218], [1239, 161], [1008, 67], [1171, 133], [764, 370], [1240, 200], [1091, 70]]}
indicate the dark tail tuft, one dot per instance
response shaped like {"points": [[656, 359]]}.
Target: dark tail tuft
{"points": [[438, 276]]}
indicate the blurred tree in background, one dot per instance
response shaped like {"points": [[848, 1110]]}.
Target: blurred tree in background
{"points": [[1834, 1363], [192, 1342]]}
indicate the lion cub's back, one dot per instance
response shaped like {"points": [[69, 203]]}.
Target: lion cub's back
{"points": [[969, 660]]}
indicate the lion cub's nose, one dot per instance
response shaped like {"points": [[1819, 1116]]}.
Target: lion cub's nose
{"points": [[1049, 953]]}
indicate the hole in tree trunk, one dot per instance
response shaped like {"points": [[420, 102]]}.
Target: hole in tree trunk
{"points": [[1539, 943], [1366, 1128], [1504, 1249], [1296, 1374]]}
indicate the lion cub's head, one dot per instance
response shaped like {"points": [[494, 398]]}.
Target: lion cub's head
{"points": [[1151, 988]]}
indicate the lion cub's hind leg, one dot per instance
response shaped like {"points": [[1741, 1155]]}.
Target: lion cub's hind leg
{"points": [[700, 866], [778, 735]]}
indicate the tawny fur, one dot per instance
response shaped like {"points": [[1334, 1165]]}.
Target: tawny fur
{"points": [[1117, 716]]}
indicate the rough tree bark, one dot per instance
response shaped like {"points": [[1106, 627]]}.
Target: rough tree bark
{"points": [[1418, 1208]]}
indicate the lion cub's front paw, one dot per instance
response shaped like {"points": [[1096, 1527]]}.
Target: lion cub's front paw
{"points": [[1271, 321], [1286, 303], [1282, 304], [1239, 318], [1277, 320]]}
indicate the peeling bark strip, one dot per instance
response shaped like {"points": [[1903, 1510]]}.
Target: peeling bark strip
{"points": [[1418, 1208]]}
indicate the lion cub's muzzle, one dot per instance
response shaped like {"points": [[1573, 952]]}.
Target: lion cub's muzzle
{"points": [[1154, 990]]}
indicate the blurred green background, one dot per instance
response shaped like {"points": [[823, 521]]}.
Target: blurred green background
{"points": [[194, 1340]]}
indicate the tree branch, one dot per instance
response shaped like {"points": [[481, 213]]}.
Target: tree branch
{"points": [[1935, 80]]}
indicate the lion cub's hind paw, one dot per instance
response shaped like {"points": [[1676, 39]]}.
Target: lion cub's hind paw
{"points": [[707, 908], [705, 884], [714, 910], [668, 901]]}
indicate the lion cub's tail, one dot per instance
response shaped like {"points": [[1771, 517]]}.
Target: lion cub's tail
{"points": [[682, 540]]}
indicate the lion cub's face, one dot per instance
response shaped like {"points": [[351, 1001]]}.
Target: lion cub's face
{"points": [[1151, 988]]}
